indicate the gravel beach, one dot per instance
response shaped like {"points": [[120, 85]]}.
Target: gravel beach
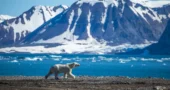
{"points": [[82, 83]]}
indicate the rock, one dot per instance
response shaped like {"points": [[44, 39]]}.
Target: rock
{"points": [[159, 88]]}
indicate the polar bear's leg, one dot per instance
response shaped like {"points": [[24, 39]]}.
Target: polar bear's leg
{"points": [[71, 75], [56, 75], [65, 75], [49, 73]]}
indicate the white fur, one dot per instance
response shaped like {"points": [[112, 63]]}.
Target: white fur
{"points": [[62, 68]]}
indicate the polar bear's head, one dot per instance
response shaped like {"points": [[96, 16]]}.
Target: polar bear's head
{"points": [[73, 65]]}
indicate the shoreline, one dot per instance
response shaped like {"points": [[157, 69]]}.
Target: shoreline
{"points": [[21, 77], [82, 83]]}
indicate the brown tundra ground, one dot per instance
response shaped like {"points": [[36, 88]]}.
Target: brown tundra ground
{"points": [[82, 83]]}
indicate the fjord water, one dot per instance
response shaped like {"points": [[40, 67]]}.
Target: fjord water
{"points": [[91, 65]]}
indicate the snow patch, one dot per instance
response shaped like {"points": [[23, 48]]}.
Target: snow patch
{"points": [[67, 36], [152, 3], [105, 2], [5, 17], [162, 17], [104, 16], [169, 15], [139, 11], [65, 6], [147, 3], [89, 26]]}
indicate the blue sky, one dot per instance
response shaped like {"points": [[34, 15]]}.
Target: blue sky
{"points": [[17, 7]]}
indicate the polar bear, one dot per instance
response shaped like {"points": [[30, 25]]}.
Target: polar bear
{"points": [[62, 68]]}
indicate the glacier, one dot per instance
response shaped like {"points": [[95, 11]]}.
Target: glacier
{"points": [[74, 48]]}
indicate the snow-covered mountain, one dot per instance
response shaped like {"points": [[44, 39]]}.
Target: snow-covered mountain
{"points": [[98, 26], [165, 38], [5, 17], [163, 46], [160, 48], [15, 29], [112, 21]]}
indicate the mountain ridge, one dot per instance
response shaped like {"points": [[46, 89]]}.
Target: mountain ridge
{"points": [[97, 26], [5, 17], [13, 30], [162, 47], [114, 22]]}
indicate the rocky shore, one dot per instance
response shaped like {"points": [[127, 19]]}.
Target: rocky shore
{"points": [[82, 83]]}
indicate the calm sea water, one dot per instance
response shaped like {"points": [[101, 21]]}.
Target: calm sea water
{"points": [[91, 65]]}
